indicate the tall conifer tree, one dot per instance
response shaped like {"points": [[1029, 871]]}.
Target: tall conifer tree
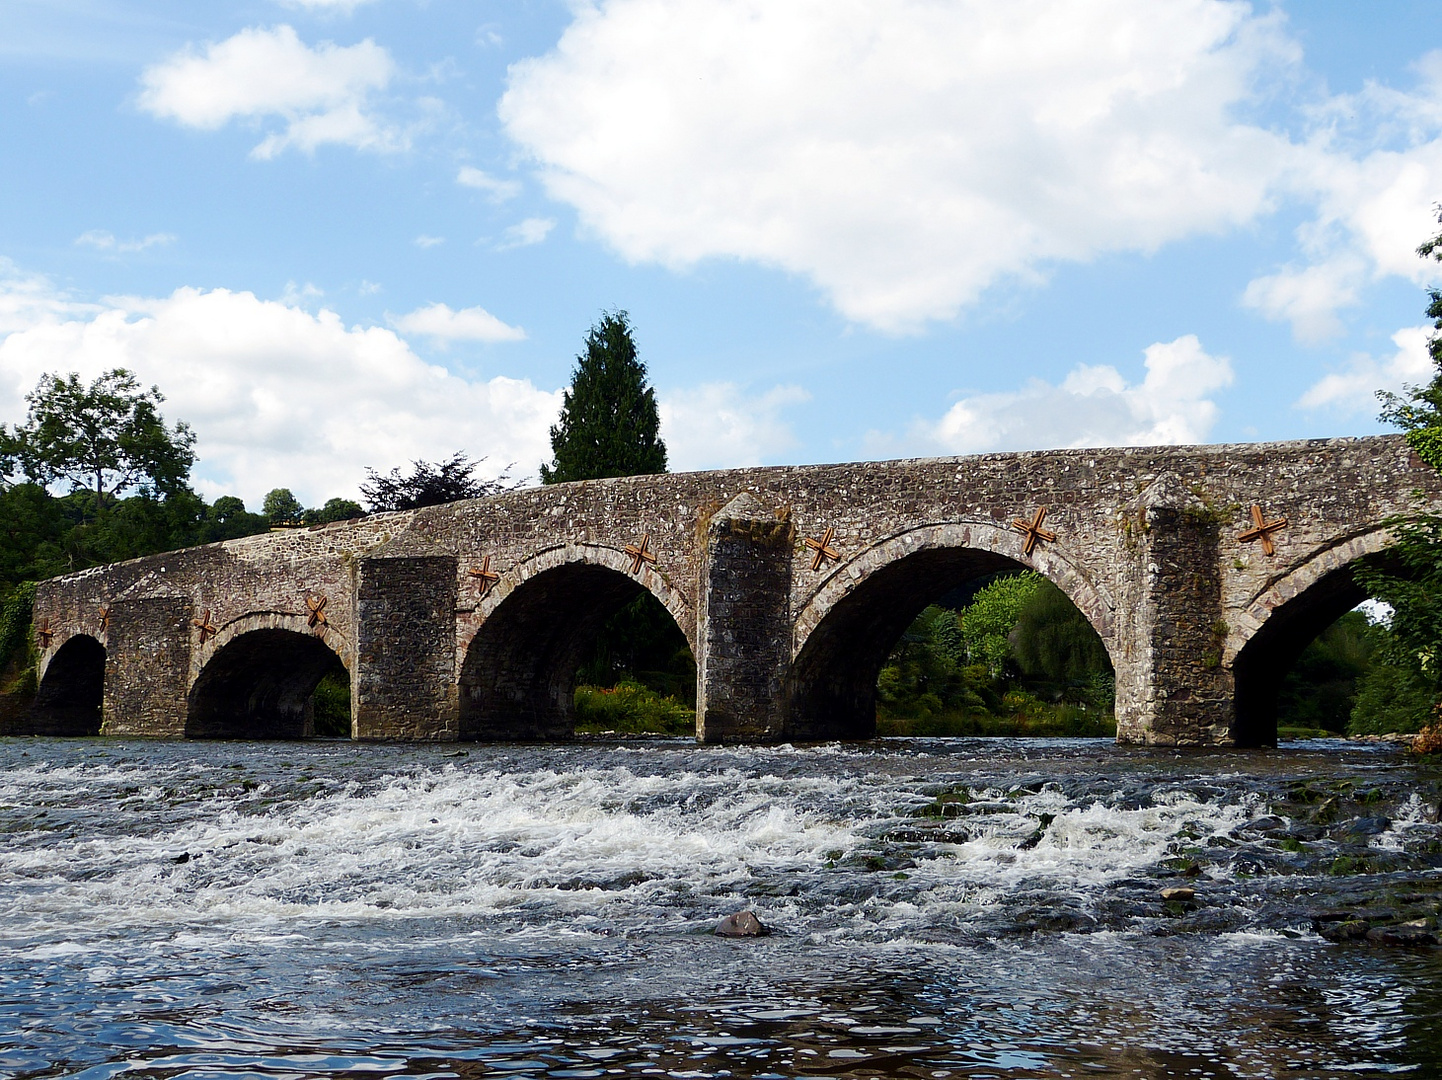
{"points": [[609, 425]]}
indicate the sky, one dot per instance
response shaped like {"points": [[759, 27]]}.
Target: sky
{"points": [[350, 234]]}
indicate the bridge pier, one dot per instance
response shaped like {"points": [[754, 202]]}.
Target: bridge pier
{"points": [[404, 683], [743, 625], [1171, 687], [147, 667]]}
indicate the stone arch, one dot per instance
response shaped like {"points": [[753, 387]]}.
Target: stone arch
{"points": [[846, 630], [71, 691], [1281, 620], [255, 678], [531, 632]]}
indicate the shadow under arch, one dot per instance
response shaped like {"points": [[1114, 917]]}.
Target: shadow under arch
{"points": [[518, 677], [68, 701], [258, 685], [1287, 615], [848, 629]]}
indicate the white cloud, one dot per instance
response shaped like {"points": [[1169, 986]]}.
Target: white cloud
{"points": [[345, 7], [278, 396], [1373, 168], [1310, 297], [524, 233], [469, 324], [424, 241], [106, 241], [717, 425], [498, 190], [1353, 392], [902, 156], [1093, 406], [322, 95]]}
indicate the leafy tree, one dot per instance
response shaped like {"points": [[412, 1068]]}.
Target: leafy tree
{"points": [[334, 510], [1054, 643], [609, 424], [105, 438], [988, 621], [1321, 688], [281, 507], [430, 484]]}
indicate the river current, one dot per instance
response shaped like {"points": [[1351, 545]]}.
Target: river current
{"points": [[960, 907]]}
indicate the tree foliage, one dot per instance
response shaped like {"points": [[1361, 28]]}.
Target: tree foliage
{"points": [[106, 437], [988, 621], [1409, 577], [430, 484], [609, 424]]}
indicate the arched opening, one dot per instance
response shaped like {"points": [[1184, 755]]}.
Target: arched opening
{"points": [[69, 697], [262, 685], [519, 677], [1313, 660], [833, 687]]}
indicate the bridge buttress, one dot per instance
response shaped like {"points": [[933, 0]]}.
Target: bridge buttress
{"points": [[404, 682], [743, 625], [1172, 689], [147, 667]]}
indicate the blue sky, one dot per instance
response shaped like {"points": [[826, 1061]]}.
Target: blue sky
{"points": [[349, 234]]}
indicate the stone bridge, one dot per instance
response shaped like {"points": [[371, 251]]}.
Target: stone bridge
{"points": [[468, 621]]}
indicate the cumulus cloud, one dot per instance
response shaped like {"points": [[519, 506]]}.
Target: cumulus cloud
{"points": [[1353, 392], [524, 233], [1093, 406], [902, 156], [106, 241], [424, 241], [439, 322], [321, 95], [718, 425], [278, 396], [498, 190]]}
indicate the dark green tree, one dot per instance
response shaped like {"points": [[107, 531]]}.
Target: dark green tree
{"points": [[105, 438], [609, 425], [334, 510], [281, 507], [430, 484]]}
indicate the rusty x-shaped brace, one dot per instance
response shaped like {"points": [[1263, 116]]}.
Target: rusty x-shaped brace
{"points": [[1033, 531], [44, 635], [822, 551], [207, 628], [486, 575], [639, 555], [317, 620], [1262, 530]]}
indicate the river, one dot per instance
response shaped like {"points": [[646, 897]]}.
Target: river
{"points": [[939, 908]]}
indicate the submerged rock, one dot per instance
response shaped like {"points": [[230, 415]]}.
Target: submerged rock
{"points": [[741, 924], [1417, 932]]}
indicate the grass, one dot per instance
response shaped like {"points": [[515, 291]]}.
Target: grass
{"points": [[1032, 720], [631, 709]]}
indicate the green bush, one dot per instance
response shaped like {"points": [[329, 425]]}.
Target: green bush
{"points": [[631, 709], [332, 705]]}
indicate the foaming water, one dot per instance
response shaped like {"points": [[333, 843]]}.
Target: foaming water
{"points": [[939, 907]]}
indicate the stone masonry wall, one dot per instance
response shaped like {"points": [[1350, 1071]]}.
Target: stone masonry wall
{"points": [[1334, 495]]}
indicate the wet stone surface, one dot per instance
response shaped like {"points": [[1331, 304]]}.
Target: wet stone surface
{"points": [[936, 907]]}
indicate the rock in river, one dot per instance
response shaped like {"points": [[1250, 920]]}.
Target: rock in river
{"points": [[741, 924]]}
